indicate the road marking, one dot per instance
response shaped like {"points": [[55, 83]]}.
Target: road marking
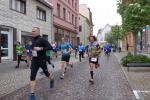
{"points": [[136, 94], [145, 91]]}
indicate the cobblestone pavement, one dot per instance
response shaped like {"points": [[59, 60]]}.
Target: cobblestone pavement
{"points": [[138, 79], [110, 84], [12, 79]]}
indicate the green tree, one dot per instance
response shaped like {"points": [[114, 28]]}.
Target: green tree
{"points": [[135, 15], [115, 34]]}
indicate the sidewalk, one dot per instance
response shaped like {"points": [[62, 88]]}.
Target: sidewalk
{"points": [[139, 79], [12, 79]]}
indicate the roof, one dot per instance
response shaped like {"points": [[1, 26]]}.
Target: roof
{"points": [[46, 3]]}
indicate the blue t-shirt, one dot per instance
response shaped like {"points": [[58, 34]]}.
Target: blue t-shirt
{"points": [[107, 48], [81, 48], [29, 49], [65, 48]]}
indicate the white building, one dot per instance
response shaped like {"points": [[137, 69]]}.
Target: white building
{"points": [[102, 33], [17, 17]]}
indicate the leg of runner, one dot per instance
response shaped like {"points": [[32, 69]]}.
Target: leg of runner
{"points": [[28, 60], [19, 59], [68, 60], [92, 73], [80, 56], [62, 69]]}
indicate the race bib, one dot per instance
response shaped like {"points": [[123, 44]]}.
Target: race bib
{"points": [[94, 59], [27, 50], [34, 53]]}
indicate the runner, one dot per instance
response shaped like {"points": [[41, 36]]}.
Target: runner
{"points": [[107, 49], [76, 50], [28, 48], [93, 52], [54, 45], [49, 57], [40, 46], [81, 49], [65, 51], [19, 50]]}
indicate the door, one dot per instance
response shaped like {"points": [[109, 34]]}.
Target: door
{"points": [[5, 43]]}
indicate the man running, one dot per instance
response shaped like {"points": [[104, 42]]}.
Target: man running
{"points": [[65, 52], [40, 46], [81, 49], [94, 51], [107, 49]]}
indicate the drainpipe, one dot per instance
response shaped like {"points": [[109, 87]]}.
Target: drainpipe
{"points": [[0, 45], [52, 25]]}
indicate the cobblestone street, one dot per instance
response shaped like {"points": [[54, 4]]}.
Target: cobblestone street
{"points": [[110, 84]]}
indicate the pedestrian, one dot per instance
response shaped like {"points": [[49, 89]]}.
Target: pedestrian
{"points": [[81, 49], [19, 50], [28, 48], [76, 50], [39, 48], [94, 51], [54, 45], [65, 56], [49, 57]]}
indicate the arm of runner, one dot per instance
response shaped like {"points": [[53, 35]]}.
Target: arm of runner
{"points": [[47, 45]]}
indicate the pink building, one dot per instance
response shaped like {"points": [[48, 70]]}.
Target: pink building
{"points": [[66, 20]]}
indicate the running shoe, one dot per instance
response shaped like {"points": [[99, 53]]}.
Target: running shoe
{"points": [[91, 81], [51, 83], [31, 97], [65, 70], [62, 76], [53, 66]]}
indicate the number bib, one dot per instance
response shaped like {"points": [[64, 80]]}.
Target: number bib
{"points": [[34, 53], [94, 59]]}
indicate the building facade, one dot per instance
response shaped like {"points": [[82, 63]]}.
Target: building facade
{"points": [[84, 29], [102, 33], [66, 20], [86, 12], [17, 17], [85, 24]]}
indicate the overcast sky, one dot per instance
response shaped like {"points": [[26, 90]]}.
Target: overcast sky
{"points": [[104, 12]]}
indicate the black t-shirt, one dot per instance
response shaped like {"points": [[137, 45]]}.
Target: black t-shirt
{"points": [[41, 42]]}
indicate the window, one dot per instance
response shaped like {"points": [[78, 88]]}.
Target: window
{"points": [[72, 19], [58, 10], [64, 13], [72, 3], [68, 17], [18, 5], [76, 4], [41, 14], [75, 21], [80, 28]]}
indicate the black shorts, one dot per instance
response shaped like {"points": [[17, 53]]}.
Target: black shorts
{"points": [[93, 62], [35, 65], [65, 57]]}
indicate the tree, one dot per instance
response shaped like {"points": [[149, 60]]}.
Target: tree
{"points": [[135, 15], [115, 34]]}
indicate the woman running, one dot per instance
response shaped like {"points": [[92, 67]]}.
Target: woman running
{"points": [[93, 52]]}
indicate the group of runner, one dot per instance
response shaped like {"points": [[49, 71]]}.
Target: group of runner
{"points": [[39, 48]]}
